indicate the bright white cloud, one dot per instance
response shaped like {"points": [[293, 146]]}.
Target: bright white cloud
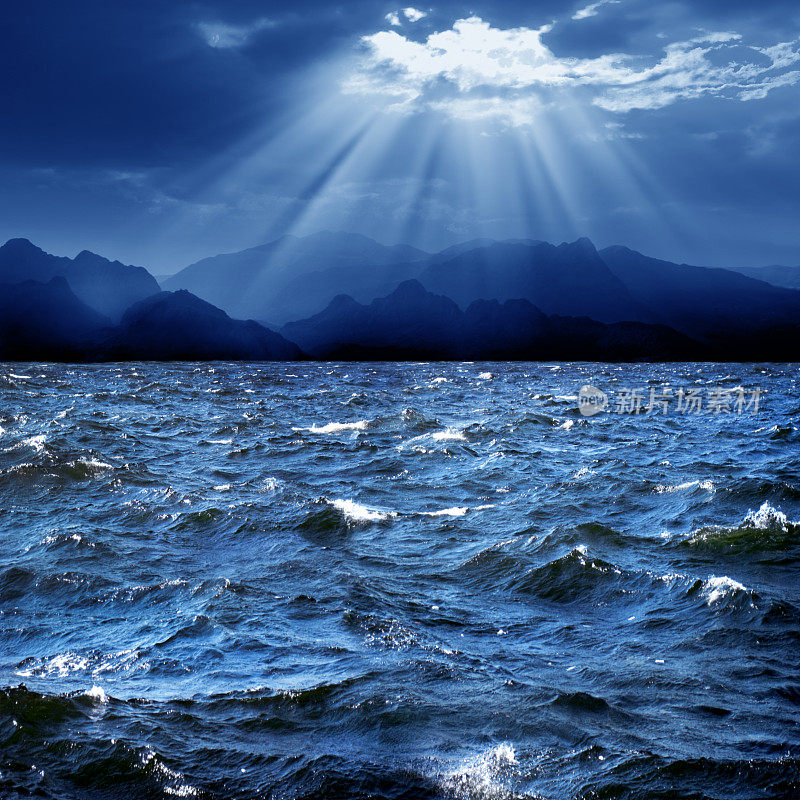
{"points": [[224, 37], [592, 9], [410, 13], [476, 70], [414, 14]]}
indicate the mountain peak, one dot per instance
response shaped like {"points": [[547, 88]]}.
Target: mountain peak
{"points": [[582, 245], [410, 289], [88, 255], [20, 245]]}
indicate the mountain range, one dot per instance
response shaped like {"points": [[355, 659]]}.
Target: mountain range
{"points": [[788, 277], [106, 286], [339, 295], [413, 323]]}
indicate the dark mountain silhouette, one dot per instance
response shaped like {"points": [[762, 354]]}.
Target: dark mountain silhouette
{"points": [[514, 299], [177, 326], [292, 277], [570, 278], [46, 321], [295, 278], [412, 323], [787, 277], [717, 306], [108, 287]]}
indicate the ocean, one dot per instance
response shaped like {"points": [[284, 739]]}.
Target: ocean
{"points": [[421, 580]]}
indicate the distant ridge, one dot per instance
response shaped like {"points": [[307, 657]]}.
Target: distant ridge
{"points": [[48, 322], [413, 323], [787, 277], [292, 277], [344, 295], [108, 287]]}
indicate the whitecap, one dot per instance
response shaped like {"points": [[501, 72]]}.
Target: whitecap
{"points": [[680, 487], [718, 588], [93, 463], [336, 427], [767, 518], [355, 512], [567, 425], [456, 511], [450, 434], [486, 376], [486, 775], [36, 442], [97, 693], [61, 665]]}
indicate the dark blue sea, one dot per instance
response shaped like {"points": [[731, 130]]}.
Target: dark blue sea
{"points": [[397, 581]]}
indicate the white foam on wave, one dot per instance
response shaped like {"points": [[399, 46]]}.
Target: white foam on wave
{"points": [[719, 588], [486, 376], [450, 434], [355, 512], [19, 377], [567, 425], [681, 487], [93, 463], [767, 518], [486, 775], [97, 693], [173, 782], [36, 442], [65, 664], [336, 427], [456, 511], [60, 665]]}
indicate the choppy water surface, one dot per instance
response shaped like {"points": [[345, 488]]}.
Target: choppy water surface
{"points": [[403, 581]]}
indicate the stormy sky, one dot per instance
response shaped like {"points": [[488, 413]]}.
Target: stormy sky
{"points": [[159, 133]]}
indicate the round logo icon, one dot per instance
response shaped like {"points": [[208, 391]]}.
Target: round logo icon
{"points": [[591, 400]]}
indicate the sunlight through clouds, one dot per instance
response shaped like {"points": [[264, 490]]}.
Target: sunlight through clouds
{"points": [[475, 70]]}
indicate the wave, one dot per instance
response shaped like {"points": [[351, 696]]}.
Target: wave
{"points": [[722, 589], [705, 485], [573, 577], [580, 702], [356, 513], [417, 421], [456, 511], [765, 529], [449, 434], [491, 774], [336, 427], [37, 443], [341, 515], [94, 663]]}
